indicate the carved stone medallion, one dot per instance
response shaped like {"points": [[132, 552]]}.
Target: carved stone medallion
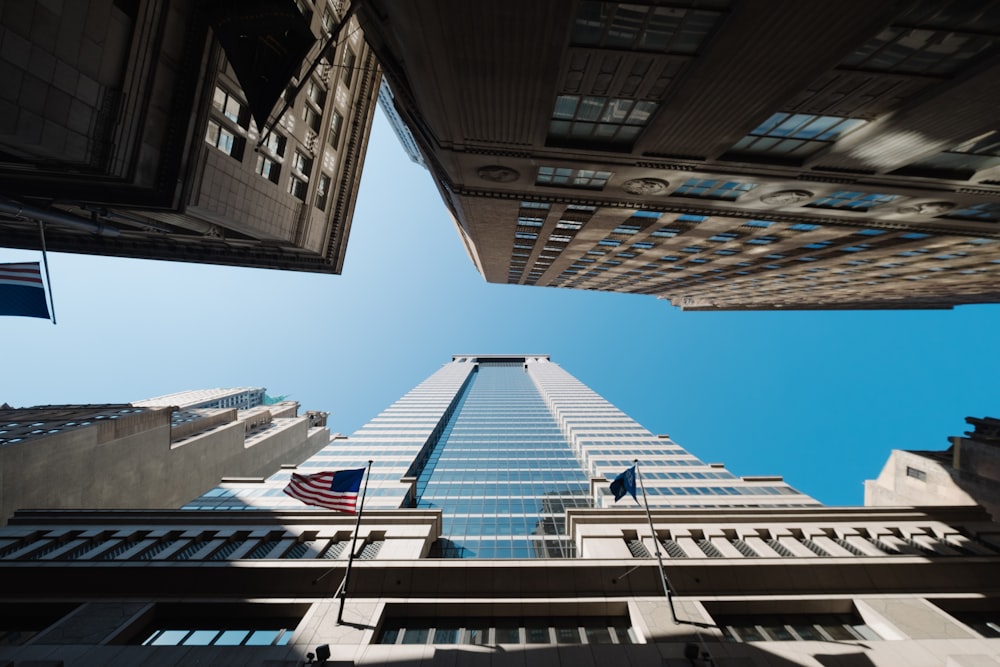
{"points": [[786, 197], [645, 186], [498, 174]]}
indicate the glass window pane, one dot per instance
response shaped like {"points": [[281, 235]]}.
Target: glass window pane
{"points": [[837, 631], [508, 633], [201, 638], [790, 125], [262, 637], [536, 632], [415, 635], [616, 111], [590, 108], [568, 634], [446, 635], [565, 106], [168, 638], [817, 127], [806, 631], [479, 636], [749, 633], [598, 635], [231, 637]]}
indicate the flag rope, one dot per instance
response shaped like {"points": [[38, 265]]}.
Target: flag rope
{"points": [[342, 591], [48, 280], [667, 588]]}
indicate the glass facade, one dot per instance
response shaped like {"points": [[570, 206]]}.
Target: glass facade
{"points": [[502, 473]]}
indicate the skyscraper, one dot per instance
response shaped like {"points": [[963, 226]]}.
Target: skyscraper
{"points": [[488, 537], [721, 154], [503, 445]]}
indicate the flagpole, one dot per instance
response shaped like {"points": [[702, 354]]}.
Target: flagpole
{"points": [[342, 592], [48, 280], [667, 588]]}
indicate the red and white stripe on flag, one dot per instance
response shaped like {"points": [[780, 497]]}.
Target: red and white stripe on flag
{"points": [[316, 490], [26, 273]]}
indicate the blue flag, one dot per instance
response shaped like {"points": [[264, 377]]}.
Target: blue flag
{"points": [[624, 483]]}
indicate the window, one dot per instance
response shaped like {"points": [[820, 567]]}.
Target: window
{"points": [[852, 201], [794, 627], [228, 124], [634, 27], [930, 38], [609, 121], [713, 189], [297, 187], [531, 630], [225, 140], [336, 122], [275, 144], [916, 473], [575, 178], [269, 157], [795, 135], [175, 624], [350, 59], [302, 164], [231, 108], [328, 21], [322, 191], [268, 168], [312, 117], [988, 212], [315, 93]]}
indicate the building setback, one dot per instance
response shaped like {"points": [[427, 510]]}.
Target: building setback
{"points": [[489, 537], [150, 454], [125, 130], [722, 155]]}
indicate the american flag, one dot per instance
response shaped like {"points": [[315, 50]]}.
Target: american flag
{"points": [[21, 290], [332, 490]]}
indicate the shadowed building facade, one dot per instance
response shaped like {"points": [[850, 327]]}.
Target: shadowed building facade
{"points": [[124, 129], [489, 537], [722, 155], [156, 453]]}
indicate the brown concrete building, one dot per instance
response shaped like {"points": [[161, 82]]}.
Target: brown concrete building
{"points": [[141, 455], [967, 473], [721, 154], [123, 128]]}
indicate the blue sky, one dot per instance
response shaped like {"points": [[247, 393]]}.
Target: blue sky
{"points": [[819, 397]]}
